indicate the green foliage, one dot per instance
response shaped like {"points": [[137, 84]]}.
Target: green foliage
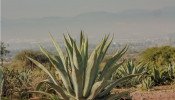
{"points": [[159, 56], [30, 53], [3, 52], [160, 77], [147, 84], [129, 69], [171, 70], [15, 83], [80, 73]]}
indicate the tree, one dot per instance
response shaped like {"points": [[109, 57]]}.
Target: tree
{"points": [[159, 56], [3, 52]]}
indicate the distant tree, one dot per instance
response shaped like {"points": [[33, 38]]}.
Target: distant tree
{"points": [[30, 53], [3, 51], [159, 56]]}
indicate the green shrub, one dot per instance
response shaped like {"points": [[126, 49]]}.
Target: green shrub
{"points": [[159, 56], [21, 57]]}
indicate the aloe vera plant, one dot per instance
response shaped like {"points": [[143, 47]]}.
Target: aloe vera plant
{"points": [[80, 73]]}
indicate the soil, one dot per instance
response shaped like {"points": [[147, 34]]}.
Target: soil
{"points": [[157, 93], [154, 95]]}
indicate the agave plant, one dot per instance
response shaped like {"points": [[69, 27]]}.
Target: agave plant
{"points": [[24, 80], [147, 83], [171, 70], [80, 73], [25, 77], [159, 76], [129, 69]]}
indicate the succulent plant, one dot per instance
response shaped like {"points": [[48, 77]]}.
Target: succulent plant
{"points": [[79, 73], [159, 76], [171, 70], [129, 69], [147, 83]]}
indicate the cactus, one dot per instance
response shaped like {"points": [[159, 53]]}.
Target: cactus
{"points": [[80, 73]]}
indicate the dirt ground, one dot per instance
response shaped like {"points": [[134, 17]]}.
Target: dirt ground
{"points": [[154, 95], [157, 93]]}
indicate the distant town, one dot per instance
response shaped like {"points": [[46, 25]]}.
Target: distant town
{"points": [[136, 45]]}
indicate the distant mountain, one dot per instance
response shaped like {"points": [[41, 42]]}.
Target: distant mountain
{"points": [[159, 13], [131, 24]]}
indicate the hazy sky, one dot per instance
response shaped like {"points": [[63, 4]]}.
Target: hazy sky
{"points": [[25, 20], [16, 9]]}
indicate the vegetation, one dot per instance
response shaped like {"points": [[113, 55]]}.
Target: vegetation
{"points": [[15, 84], [159, 76], [159, 56], [1, 78], [129, 69], [163, 76], [79, 73], [3, 52], [147, 84], [30, 53], [171, 70]]}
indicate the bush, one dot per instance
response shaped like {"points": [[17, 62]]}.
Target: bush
{"points": [[15, 84], [159, 56], [21, 57]]}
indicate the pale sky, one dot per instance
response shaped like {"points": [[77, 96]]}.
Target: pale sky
{"points": [[16, 9]]}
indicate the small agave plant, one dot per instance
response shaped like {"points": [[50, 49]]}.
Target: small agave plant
{"points": [[159, 76], [130, 69], [171, 70], [80, 73], [147, 83]]}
